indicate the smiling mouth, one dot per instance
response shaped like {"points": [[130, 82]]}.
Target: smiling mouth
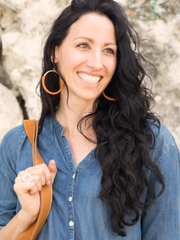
{"points": [[88, 78]]}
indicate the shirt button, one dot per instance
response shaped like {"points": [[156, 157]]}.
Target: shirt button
{"points": [[70, 199], [73, 176], [71, 223]]}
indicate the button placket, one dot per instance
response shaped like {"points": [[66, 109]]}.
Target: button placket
{"points": [[71, 207]]}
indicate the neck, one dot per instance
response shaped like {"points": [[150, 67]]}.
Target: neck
{"points": [[69, 113]]}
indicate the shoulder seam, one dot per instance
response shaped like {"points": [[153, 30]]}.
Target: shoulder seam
{"points": [[22, 136], [173, 145]]}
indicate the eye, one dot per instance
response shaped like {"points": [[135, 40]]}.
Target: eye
{"points": [[83, 45], [110, 51]]}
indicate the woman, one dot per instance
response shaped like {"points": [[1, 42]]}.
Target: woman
{"points": [[113, 166]]}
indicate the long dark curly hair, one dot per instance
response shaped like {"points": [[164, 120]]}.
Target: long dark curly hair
{"points": [[122, 127]]}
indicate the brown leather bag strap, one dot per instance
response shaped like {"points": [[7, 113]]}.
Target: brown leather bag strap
{"points": [[31, 128]]}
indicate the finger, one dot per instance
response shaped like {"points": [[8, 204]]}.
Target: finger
{"points": [[25, 187], [35, 188], [36, 179], [53, 169], [39, 177], [21, 173], [41, 170], [18, 180]]}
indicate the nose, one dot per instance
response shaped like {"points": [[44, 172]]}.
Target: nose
{"points": [[95, 60]]}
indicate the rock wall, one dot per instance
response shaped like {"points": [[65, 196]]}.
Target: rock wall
{"points": [[158, 24], [24, 24]]}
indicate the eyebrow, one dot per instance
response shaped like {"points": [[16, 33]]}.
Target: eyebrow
{"points": [[91, 40]]}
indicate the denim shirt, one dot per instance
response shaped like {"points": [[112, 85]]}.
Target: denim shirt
{"points": [[77, 213]]}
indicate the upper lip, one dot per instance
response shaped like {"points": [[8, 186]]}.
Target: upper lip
{"points": [[91, 74]]}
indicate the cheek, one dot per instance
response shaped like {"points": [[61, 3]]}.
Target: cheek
{"points": [[76, 58], [112, 67], [71, 60]]}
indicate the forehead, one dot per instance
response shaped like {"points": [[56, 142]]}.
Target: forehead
{"points": [[93, 25]]}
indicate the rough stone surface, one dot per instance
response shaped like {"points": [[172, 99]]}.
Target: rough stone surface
{"points": [[158, 23], [24, 24], [10, 111]]}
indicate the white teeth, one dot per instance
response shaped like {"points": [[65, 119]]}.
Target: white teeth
{"points": [[89, 78]]}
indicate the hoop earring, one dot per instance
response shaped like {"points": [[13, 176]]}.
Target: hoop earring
{"points": [[108, 98], [44, 86]]}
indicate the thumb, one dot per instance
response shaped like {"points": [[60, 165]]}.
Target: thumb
{"points": [[53, 169]]}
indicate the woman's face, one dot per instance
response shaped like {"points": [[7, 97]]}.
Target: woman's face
{"points": [[87, 57]]}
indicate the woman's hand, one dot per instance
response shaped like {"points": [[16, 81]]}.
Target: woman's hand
{"points": [[29, 192]]}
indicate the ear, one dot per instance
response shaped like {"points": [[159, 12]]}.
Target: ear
{"points": [[56, 55], [56, 59]]}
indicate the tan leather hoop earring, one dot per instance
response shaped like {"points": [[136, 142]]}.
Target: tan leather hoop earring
{"points": [[108, 98], [44, 86]]}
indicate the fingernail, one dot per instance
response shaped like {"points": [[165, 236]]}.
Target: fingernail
{"points": [[49, 182]]}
